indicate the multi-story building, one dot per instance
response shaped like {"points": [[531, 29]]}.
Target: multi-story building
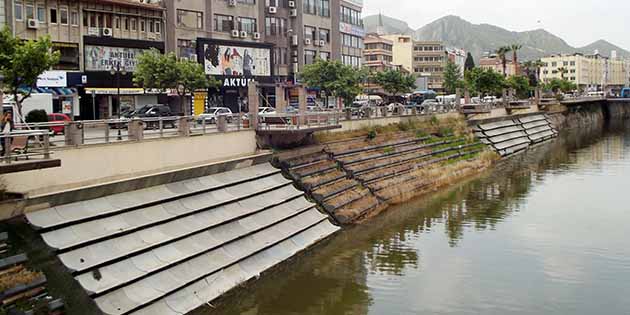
{"points": [[588, 72], [429, 60], [377, 57], [402, 50], [267, 40], [494, 63], [94, 38]]}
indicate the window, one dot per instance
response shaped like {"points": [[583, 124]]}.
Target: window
{"points": [[151, 27], [41, 14], [133, 24], [247, 1], [126, 24], [93, 20], [108, 20], [53, 15], [350, 16], [142, 26], [85, 20], [63, 16], [324, 55], [247, 24], [352, 60], [191, 19], [271, 26], [309, 56], [74, 18], [324, 9], [223, 23], [573, 63], [309, 7], [324, 35], [19, 12], [554, 64], [309, 32], [351, 41], [116, 22], [186, 48], [271, 3], [158, 27], [30, 11]]}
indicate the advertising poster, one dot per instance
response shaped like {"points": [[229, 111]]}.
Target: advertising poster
{"points": [[103, 58], [236, 60]]}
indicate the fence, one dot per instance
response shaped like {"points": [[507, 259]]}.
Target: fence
{"points": [[24, 145]]}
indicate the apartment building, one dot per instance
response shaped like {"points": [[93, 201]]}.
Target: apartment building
{"points": [[590, 72], [94, 38], [494, 63], [348, 37], [402, 50], [429, 60], [377, 57]]}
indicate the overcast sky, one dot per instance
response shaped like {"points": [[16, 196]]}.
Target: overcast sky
{"points": [[579, 22]]}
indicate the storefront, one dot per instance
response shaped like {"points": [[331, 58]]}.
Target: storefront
{"points": [[65, 97], [235, 65], [109, 66]]}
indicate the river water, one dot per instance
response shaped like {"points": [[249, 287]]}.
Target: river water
{"points": [[543, 233]]}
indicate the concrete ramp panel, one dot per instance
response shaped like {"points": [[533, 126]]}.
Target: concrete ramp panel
{"points": [[529, 119], [496, 125]]}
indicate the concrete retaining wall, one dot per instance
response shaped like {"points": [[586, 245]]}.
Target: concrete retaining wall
{"points": [[357, 124], [98, 164]]}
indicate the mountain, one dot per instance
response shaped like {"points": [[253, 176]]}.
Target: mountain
{"points": [[480, 38]]}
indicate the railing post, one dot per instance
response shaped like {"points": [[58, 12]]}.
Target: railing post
{"points": [[135, 129], [183, 126], [107, 127], [73, 134], [7, 149], [222, 123], [46, 145], [161, 124], [203, 125]]}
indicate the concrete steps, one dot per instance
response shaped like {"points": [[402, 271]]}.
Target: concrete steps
{"points": [[514, 135], [169, 249]]}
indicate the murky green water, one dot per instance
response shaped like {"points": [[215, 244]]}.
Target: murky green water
{"points": [[546, 233]]}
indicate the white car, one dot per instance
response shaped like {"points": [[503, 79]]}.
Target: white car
{"points": [[213, 113]]}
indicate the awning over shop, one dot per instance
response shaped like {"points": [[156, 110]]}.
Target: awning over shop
{"points": [[56, 92]]}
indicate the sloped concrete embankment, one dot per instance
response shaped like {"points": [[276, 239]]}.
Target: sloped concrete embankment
{"points": [[171, 248], [357, 178], [514, 135]]}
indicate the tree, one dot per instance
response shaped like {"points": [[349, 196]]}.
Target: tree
{"points": [[519, 83], [395, 82], [560, 85], [470, 62], [515, 48], [157, 71], [334, 78], [502, 54], [452, 77], [562, 71], [485, 82], [21, 63]]}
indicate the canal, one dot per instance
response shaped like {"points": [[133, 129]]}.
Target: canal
{"points": [[543, 233]]}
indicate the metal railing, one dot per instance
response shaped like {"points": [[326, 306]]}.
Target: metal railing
{"points": [[299, 121], [24, 145]]}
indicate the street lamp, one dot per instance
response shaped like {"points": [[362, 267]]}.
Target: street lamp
{"points": [[117, 71]]}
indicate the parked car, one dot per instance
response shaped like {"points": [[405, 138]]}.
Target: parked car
{"points": [[58, 118], [155, 111], [213, 113]]}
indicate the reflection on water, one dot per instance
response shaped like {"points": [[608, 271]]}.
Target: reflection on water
{"points": [[543, 233]]}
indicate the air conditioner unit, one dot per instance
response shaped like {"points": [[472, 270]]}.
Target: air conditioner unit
{"points": [[291, 4], [322, 43], [256, 35], [232, 3], [107, 32], [307, 41], [294, 40], [235, 33], [32, 23], [243, 34], [293, 13], [273, 10]]}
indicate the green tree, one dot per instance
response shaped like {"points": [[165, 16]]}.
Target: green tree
{"points": [[334, 78], [395, 82], [502, 55], [22, 62], [470, 62], [515, 48], [157, 71], [452, 77], [519, 83], [485, 82], [560, 85]]}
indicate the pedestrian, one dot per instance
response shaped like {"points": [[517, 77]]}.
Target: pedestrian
{"points": [[6, 126]]}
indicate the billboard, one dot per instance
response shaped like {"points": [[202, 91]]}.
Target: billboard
{"points": [[230, 60], [103, 58]]}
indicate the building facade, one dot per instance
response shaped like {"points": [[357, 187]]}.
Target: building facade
{"points": [[429, 61], [402, 50], [494, 63], [93, 38], [588, 72]]}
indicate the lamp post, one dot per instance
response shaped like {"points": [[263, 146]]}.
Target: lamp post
{"points": [[117, 71]]}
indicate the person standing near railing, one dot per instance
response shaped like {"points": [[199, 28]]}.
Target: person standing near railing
{"points": [[6, 125]]}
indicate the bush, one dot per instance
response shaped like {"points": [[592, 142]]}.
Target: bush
{"points": [[36, 116], [371, 134]]}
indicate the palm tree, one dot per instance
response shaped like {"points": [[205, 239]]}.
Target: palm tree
{"points": [[562, 71], [538, 64], [502, 54], [515, 48]]}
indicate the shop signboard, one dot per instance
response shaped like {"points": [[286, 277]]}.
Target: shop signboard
{"points": [[351, 29], [236, 61], [104, 58], [52, 79]]}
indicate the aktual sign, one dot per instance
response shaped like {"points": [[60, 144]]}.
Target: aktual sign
{"points": [[104, 58], [351, 29], [237, 82], [52, 79]]}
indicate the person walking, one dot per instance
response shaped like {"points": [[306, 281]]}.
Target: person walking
{"points": [[6, 126]]}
